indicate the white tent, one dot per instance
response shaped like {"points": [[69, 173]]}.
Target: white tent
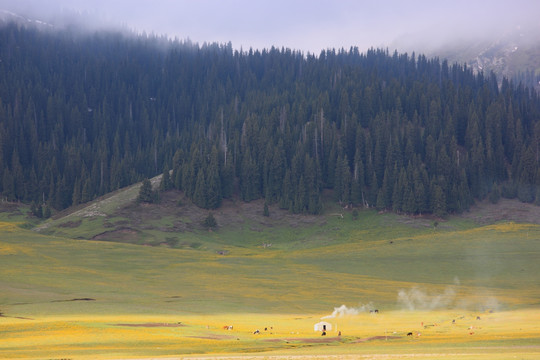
{"points": [[322, 326]]}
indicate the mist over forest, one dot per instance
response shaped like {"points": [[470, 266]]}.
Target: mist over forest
{"points": [[82, 115]]}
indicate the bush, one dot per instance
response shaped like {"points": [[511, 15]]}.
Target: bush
{"points": [[172, 242], [209, 222]]}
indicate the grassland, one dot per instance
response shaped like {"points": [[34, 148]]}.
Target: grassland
{"points": [[73, 291]]}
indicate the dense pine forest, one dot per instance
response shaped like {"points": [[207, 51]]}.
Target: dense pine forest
{"points": [[84, 114]]}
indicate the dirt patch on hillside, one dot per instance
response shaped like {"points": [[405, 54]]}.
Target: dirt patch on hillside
{"points": [[238, 212], [185, 216], [484, 213], [71, 224], [13, 209], [506, 209], [119, 235], [70, 300]]}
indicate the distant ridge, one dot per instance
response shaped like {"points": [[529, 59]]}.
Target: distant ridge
{"points": [[7, 16]]}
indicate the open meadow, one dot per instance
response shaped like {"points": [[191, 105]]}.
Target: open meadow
{"points": [[452, 289]]}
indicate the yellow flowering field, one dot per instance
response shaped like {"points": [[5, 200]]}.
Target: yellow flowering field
{"points": [[462, 291], [129, 336]]}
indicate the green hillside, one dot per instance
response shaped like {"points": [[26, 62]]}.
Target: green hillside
{"points": [[109, 298], [267, 264]]}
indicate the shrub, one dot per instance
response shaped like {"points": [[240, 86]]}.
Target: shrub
{"points": [[210, 221]]}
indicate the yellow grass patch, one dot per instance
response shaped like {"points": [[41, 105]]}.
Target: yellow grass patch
{"points": [[139, 336], [503, 227], [12, 249], [8, 226], [7, 249]]}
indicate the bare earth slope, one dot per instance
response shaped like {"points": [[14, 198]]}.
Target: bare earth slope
{"points": [[510, 210]]}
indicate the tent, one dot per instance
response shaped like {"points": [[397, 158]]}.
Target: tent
{"points": [[322, 326]]}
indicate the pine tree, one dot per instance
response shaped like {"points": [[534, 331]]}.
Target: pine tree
{"points": [[286, 196], [213, 190], [76, 198], [381, 200], [47, 212], [527, 172], [438, 201], [227, 180], [85, 193], [146, 195], [166, 182], [200, 195]]}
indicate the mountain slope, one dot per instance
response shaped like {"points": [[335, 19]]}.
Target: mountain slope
{"points": [[82, 115], [514, 54]]}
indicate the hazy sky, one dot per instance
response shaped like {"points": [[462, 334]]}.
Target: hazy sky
{"points": [[307, 25]]}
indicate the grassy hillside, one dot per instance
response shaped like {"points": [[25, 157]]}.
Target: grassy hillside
{"points": [[62, 294]]}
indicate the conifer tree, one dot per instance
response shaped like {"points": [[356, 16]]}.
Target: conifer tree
{"points": [[166, 183], [438, 201], [146, 195], [200, 193]]}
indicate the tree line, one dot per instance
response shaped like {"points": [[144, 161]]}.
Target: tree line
{"points": [[84, 114]]}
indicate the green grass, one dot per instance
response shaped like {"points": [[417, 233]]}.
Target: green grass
{"points": [[211, 277], [368, 260]]}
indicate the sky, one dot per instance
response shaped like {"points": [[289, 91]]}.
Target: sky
{"points": [[305, 25]]}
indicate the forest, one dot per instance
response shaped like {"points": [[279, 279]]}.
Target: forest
{"points": [[83, 114]]}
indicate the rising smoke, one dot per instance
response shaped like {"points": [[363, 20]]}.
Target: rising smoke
{"points": [[417, 298], [349, 311]]}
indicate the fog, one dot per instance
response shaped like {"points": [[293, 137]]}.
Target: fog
{"points": [[306, 25]]}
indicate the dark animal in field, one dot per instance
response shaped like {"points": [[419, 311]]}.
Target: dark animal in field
{"points": [[409, 334]]}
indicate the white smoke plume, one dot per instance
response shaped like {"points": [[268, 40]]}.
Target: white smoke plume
{"points": [[418, 299], [482, 301], [349, 311]]}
